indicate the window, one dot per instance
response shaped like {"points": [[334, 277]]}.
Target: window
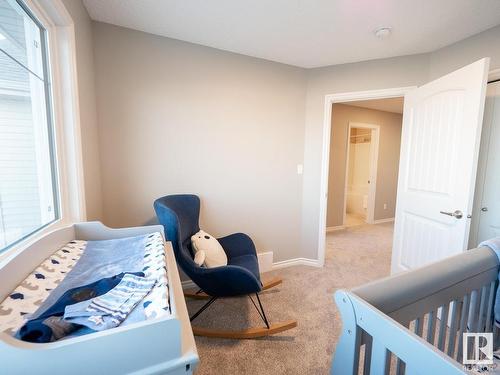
{"points": [[28, 183]]}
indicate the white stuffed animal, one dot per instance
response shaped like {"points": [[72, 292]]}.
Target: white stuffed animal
{"points": [[208, 251]]}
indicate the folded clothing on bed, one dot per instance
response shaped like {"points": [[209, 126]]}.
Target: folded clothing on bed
{"points": [[29, 295], [50, 326], [112, 308]]}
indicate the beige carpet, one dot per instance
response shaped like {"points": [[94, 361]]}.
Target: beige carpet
{"points": [[354, 256]]}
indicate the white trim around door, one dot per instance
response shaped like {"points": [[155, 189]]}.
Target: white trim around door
{"points": [[327, 125]]}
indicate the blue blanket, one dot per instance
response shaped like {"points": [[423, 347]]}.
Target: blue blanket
{"points": [[100, 260], [494, 244], [50, 326]]}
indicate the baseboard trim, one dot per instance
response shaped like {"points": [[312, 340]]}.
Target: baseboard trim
{"points": [[333, 229], [296, 262], [388, 220]]}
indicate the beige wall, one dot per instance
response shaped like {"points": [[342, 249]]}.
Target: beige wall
{"points": [[388, 159], [180, 118], [179, 102], [370, 75], [87, 103], [455, 56]]}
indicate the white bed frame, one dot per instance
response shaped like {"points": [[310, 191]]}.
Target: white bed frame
{"points": [[412, 323], [163, 345]]}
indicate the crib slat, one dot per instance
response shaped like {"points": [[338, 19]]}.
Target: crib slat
{"points": [[400, 367], [442, 327], [482, 308], [368, 354], [472, 321], [489, 313], [463, 325], [453, 328], [431, 327], [379, 358], [419, 326]]}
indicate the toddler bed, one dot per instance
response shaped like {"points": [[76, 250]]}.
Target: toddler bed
{"points": [[161, 343], [412, 323]]}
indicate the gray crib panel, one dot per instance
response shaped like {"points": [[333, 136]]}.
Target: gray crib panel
{"points": [[459, 291], [391, 336], [425, 289]]}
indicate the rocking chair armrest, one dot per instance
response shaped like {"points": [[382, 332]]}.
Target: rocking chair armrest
{"points": [[229, 281], [237, 244]]}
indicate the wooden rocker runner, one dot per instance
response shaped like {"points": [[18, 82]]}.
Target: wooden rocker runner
{"points": [[179, 216]]}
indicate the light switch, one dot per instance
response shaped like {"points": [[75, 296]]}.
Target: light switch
{"points": [[300, 168]]}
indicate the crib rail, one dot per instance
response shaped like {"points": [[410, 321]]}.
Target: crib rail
{"points": [[388, 336], [413, 322]]}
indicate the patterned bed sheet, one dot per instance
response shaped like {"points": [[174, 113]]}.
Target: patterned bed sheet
{"points": [[30, 294]]}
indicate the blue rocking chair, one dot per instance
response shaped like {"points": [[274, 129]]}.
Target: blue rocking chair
{"points": [[179, 216]]}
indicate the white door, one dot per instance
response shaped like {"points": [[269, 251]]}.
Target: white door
{"points": [[439, 151], [486, 214]]}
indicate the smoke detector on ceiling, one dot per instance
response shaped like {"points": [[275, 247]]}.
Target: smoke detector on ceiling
{"points": [[383, 32]]}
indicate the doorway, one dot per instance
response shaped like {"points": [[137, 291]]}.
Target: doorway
{"points": [[366, 98], [365, 142], [363, 162], [361, 173], [437, 177], [485, 221]]}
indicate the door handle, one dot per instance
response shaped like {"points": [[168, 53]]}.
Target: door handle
{"points": [[484, 209], [456, 214]]}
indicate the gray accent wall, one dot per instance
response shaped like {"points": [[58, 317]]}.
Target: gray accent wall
{"points": [[177, 117]]}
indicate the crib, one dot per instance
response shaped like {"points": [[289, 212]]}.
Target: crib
{"points": [[162, 345], [412, 323]]}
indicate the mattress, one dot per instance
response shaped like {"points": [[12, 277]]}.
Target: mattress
{"points": [[29, 295]]}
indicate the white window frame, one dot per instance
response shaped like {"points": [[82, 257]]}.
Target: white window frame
{"points": [[65, 119]]}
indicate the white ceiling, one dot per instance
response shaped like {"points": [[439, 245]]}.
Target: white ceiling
{"points": [[394, 105], [305, 33]]}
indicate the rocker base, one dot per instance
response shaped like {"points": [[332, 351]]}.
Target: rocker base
{"points": [[249, 333], [202, 295]]}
